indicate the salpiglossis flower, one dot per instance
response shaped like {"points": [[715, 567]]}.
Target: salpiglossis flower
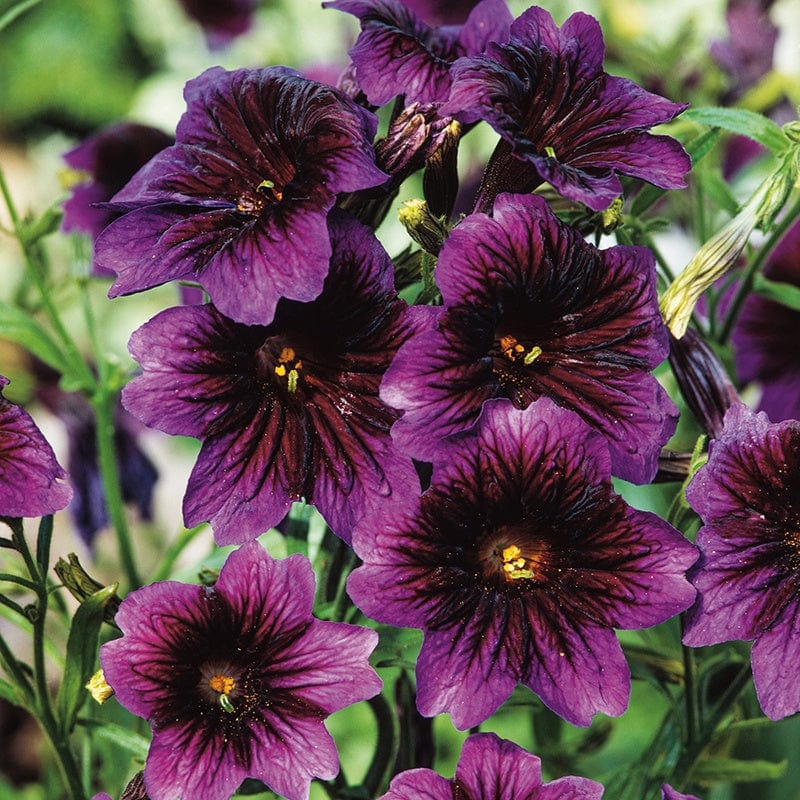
{"points": [[517, 563], [237, 680], [239, 203], [287, 411], [531, 310]]}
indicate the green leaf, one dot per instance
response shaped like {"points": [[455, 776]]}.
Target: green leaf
{"points": [[81, 655], [9, 692], [398, 647], [734, 770], [745, 123], [13, 12], [42, 226], [19, 327], [787, 294], [129, 740], [715, 187]]}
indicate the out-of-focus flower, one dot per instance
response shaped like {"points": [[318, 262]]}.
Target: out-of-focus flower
{"points": [[517, 563], [221, 20], [531, 309], [237, 680], [491, 768], [442, 12], [397, 53], [137, 474], [702, 379], [748, 575], [110, 158], [285, 411], [32, 483], [239, 204], [562, 119], [765, 337]]}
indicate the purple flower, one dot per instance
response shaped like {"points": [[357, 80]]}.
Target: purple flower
{"points": [[517, 563], [221, 20], [562, 119], [532, 309], [491, 768], [668, 793], [110, 157], [286, 411], [31, 481], [137, 474], [397, 53], [748, 575], [239, 203], [442, 12], [236, 681], [135, 790], [765, 337]]}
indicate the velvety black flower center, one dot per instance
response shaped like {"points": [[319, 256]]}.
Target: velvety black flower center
{"points": [[230, 688], [278, 361], [513, 555]]}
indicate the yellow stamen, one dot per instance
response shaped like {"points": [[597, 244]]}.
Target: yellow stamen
{"points": [[515, 565], [513, 350], [280, 370], [98, 688], [291, 381], [222, 684], [269, 187]]}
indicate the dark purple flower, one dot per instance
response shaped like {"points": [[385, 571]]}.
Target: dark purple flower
{"points": [[668, 793], [221, 20], [491, 768], [286, 411], [397, 53], [748, 575], [765, 337], [239, 203], [562, 119], [517, 563], [137, 474], [532, 309], [237, 680], [110, 157], [748, 52], [135, 790], [31, 481], [442, 12]]}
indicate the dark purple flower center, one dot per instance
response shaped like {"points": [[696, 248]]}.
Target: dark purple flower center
{"points": [[266, 193], [278, 362], [224, 685]]}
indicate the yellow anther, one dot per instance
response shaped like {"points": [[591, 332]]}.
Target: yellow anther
{"points": [[287, 355], [222, 684], [532, 355]]}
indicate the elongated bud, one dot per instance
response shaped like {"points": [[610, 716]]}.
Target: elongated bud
{"points": [[440, 178], [413, 136], [81, 585], [673, 466], [135, 789], [702, 379], [723, 249], [427, 231]]}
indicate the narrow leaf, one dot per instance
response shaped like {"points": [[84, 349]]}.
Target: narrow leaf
{"points": [[19, 327], [746, 123], [9, 16], [787, 294], [734, 770], [9, 692], [81, 655], [129, 740]]}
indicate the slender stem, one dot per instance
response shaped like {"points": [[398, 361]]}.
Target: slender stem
{"points": [[691, 699], [66, 760], [104, 402], [377, 778], [35, 272], [181, 542], [746, 283]]}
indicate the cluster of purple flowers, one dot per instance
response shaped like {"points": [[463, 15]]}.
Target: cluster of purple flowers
{"points": [[527, 389]]}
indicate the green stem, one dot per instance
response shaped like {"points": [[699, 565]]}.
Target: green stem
{"points": [[692, 701], [68, 767], [35, 271], [380, 770], [104, 403], [746, 283], [181, 542]]}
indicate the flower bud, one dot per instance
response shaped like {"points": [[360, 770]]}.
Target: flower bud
{"points": [[702, 379], [440, 179], [81, 585], [722, 250], [427, 231], [98, 688]]}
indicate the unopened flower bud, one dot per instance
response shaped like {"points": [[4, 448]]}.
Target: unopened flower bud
{"points": [[413, 136], [98, 688], [611, 218], [81, 585], [427, 231], [440, 179], [702, 379], [722, 250]]}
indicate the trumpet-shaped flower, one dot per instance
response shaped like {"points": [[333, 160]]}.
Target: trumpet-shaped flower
{"points": [[517, 563], [237, 680], [239, 203], [491, 768], [31, 480], [748, 575], [533, 310], [285, 411], [563, 119]]}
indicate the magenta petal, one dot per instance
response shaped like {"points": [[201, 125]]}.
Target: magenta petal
{"points": [[419, 784], [776, 659], [32, 483]]}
